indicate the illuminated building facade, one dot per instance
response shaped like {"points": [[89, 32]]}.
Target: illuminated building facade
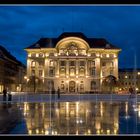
{"points": [[72, 62], [129, 78]]}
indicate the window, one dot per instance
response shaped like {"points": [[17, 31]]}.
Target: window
{"points": [[62, 63], [72, 72], [62, 71], [51, 54], [93, 72], [112, 64], [33, 55], [93, 85], [33, 63], [33, 72], [81, 87], [40, 73], [62, 87], [72, 63], [51, 72], [93, 63], [41, 55], [82, 63], [103, 55], [82, 72], [93, 54], [111, 55], [51, 63], [103, 64], [40, 63], [111, 72]]}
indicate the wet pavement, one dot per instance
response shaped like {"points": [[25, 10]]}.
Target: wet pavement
{"points": [[70, 118]]}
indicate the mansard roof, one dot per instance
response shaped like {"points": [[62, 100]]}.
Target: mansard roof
{"points": [[51, 42]]}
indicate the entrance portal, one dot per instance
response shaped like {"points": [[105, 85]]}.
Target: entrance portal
{"points": [[72, 86]]}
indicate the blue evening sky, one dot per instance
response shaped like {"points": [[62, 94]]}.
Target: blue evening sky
{"points": [[21, 26]]}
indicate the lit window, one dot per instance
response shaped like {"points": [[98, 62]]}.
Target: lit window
{"points": [[93, 72], [72, 72], [107, 55], [111, 72], [33, 55], [51, 63], [41, 55], [72, 63], [93, 63], [62, 63], [33, 72], [126, 76], [82, 63], [138, 73], [82, 72], [51, 72], [40, 73], [103, 64], [33, 63]]}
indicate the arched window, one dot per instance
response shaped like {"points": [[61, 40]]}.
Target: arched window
{"points": [[33, 63], [93, 85], [82, 72], [41, 54]]}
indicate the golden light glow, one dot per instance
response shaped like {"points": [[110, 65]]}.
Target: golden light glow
{"points": [[89, 54], [67, 81], [108, 131], [97, 54], [115, 55], [55, 54], [126, 76], [138, 73], [57, 76], [107, 55], [137, 89], [30, 132], [115, 131], [29, 55], [97, 131], [25, 77], [37, 131], [47, 54], [89, 131], [46, 132], [126, 107], [37, 54]]}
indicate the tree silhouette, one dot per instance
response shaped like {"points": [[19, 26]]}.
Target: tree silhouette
{"points": [[110, 83]]}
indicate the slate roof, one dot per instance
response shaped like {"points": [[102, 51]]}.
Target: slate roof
{"points": [[51, 42]]}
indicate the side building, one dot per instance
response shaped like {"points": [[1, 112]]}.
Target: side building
{"points": [[72, 62], [129, 78], [12, 72]]}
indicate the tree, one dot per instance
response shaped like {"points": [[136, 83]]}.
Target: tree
{"points": [[110, 83]]}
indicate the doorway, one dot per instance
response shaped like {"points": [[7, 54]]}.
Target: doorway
{"points": [[72, 85]]}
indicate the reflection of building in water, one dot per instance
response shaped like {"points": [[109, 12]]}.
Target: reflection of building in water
{"points": [[72, 118], [72, 61]]}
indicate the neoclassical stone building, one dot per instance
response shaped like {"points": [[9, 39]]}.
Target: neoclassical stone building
{"points": [[72, 62]]}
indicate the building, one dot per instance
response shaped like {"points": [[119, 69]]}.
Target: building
{"points": [[129, 78], [72, 62], [12, 71]]}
